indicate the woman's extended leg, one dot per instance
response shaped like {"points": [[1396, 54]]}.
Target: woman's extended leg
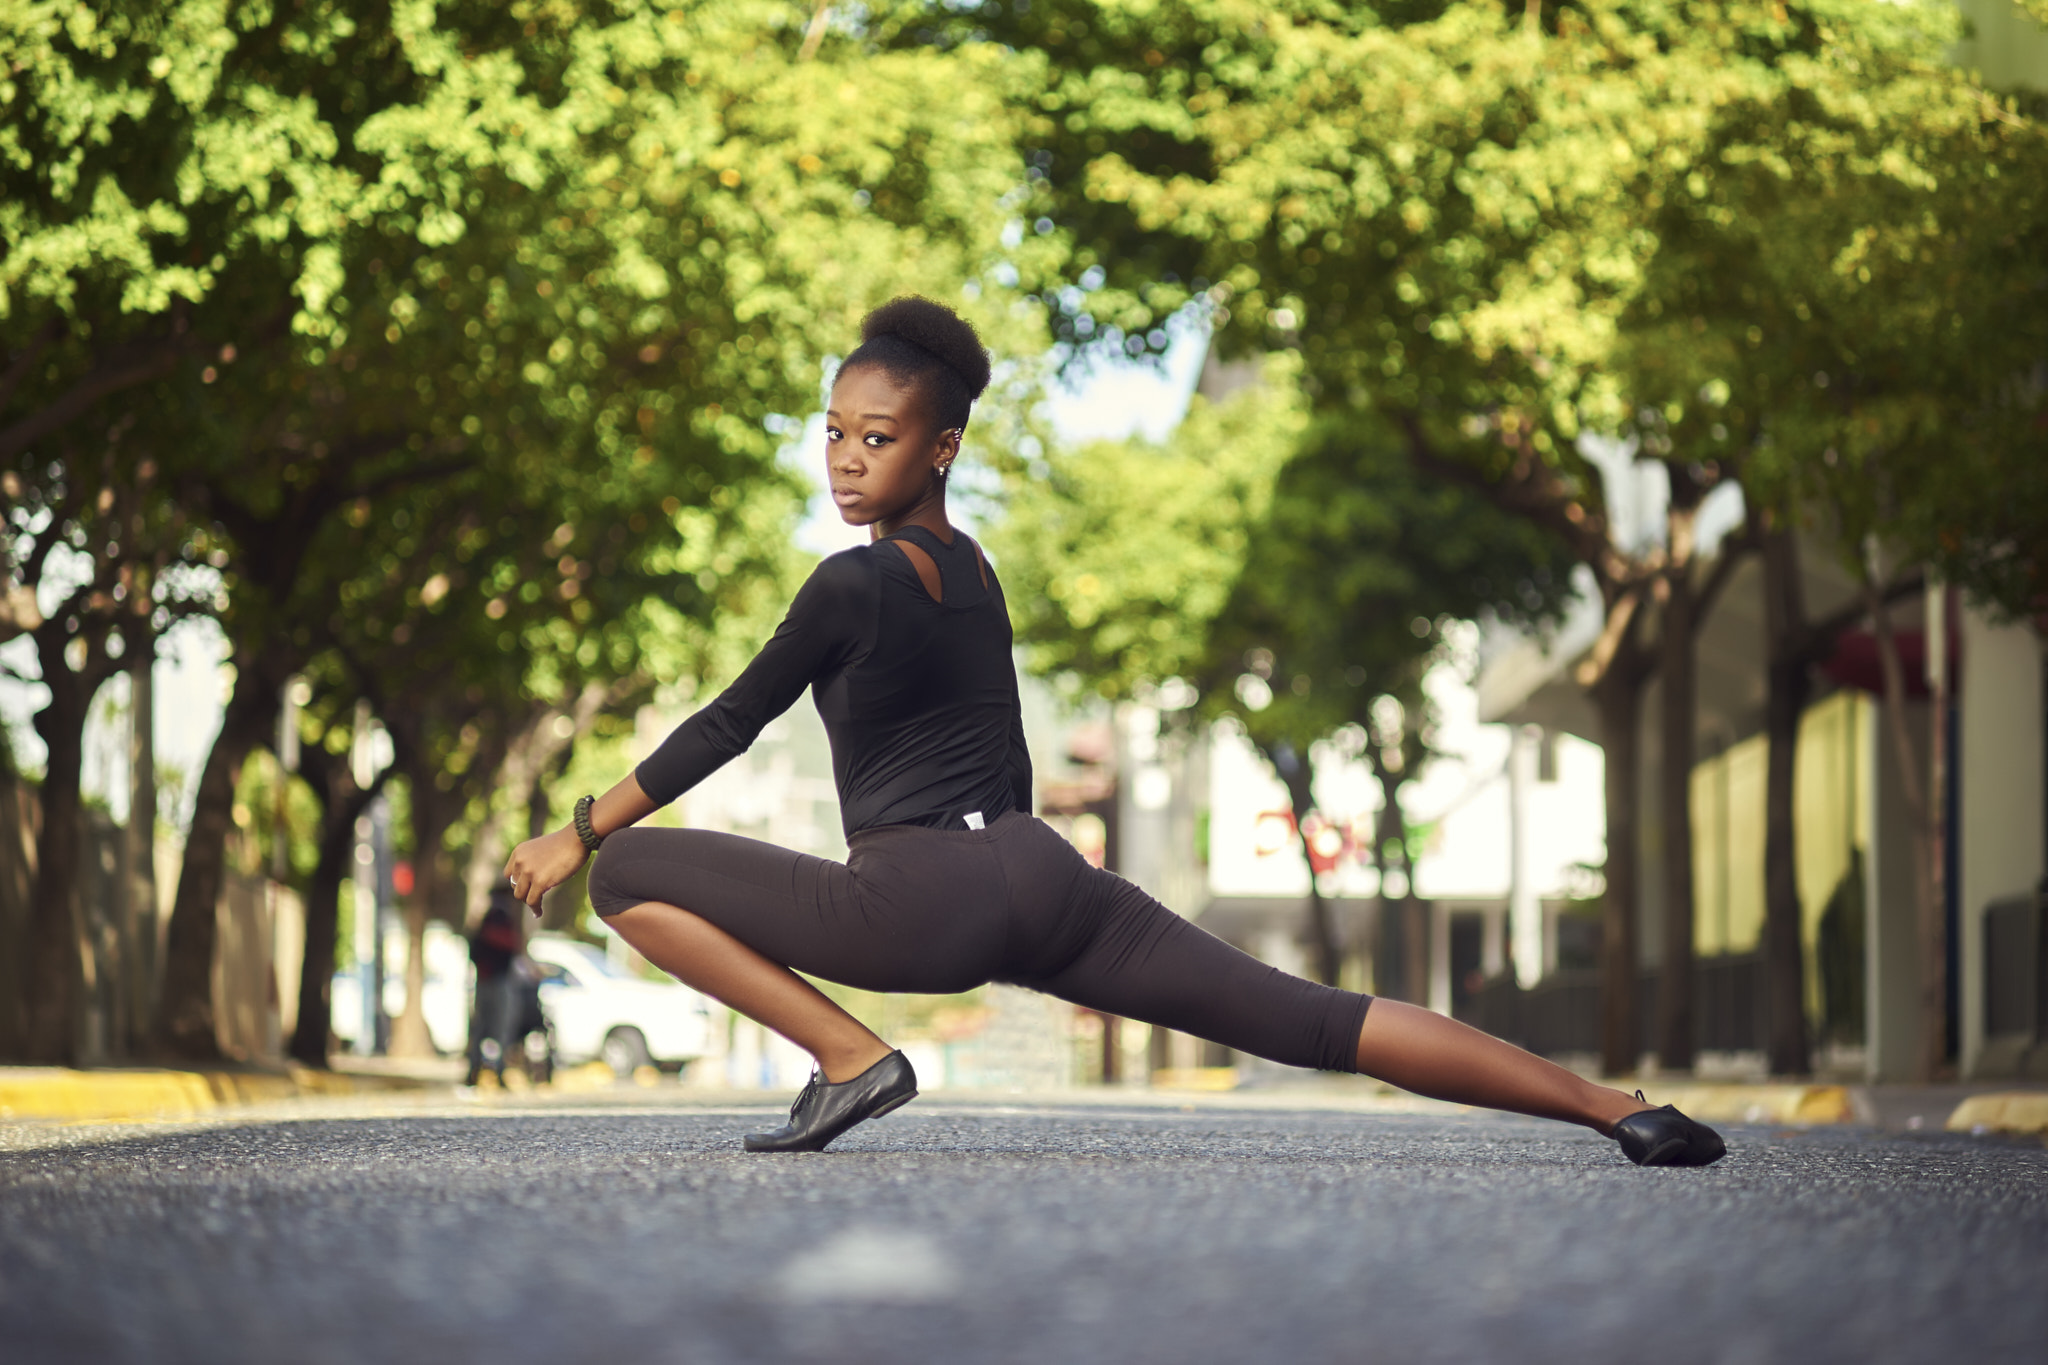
{"points": [[700, 954], [1422, 1051], [1142, 961]]}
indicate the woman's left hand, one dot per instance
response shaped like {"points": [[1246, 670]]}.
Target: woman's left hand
{"points": [[540, 865]]}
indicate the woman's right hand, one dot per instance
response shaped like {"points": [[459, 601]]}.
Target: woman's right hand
{"points": [[540, 865]]}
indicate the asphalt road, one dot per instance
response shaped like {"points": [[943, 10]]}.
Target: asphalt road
{"points": [[955, 1232]]}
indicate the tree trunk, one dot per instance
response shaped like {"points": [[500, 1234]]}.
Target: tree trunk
{"points": [[323, 915], [56, 941], [1676, 722], [1925, 815], [1415, 946], [433, 811], [1390, 830], [527, 756], [1326, 955], [342, 803], [409, 1035], [1677, 669], [1324, 950], [142, 900], [1618, 698], [184, 1020], [1787, 1048]]}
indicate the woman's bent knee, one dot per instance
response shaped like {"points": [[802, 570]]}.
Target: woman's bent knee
{"points": [[608, 873]]}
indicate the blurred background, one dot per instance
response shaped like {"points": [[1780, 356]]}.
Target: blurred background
{"points": [[1537, 510]]}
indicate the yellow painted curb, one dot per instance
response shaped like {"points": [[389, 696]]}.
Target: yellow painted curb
{"points": [[1800, 1105], [572, 1080], [1195, 1078], [65, 1094], [2008, 1111]]}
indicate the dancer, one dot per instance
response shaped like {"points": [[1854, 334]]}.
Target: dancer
{"points": [[950, 881]]}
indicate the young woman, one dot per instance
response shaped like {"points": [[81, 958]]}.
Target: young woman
{"points": [[949, 880]]}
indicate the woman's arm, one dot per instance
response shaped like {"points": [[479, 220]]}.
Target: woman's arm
{"points": [[828, 621], [540, 865]]}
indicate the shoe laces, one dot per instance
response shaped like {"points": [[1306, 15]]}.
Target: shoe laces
{"points": [[803, 1096]]}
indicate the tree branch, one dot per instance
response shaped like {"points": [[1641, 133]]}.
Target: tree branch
{"points": [[157, 363], [1621, 613], [1537, 493], [1733, 550], [24, 361], [814, 32]]}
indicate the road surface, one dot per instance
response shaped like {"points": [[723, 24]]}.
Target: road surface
{"points": [[971, 1230]]}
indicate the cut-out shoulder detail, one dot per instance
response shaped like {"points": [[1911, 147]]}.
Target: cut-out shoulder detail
{"points": [[927, 568]]}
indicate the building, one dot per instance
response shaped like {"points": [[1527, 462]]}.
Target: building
{"points": [[1855, 867]]}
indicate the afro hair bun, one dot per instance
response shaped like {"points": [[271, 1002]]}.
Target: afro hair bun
{"points": [[934, 328]]}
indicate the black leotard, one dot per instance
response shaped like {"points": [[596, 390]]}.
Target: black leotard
{"points": [[919, 697]]}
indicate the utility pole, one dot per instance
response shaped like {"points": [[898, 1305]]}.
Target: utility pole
{"points": [[1525, 906], [372, 882], [143, 920], [294, 694], [290, 697]]}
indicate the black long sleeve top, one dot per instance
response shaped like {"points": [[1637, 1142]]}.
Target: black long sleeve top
{"points": [[919, 697]]}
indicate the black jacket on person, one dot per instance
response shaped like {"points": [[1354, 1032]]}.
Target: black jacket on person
{"points": [[494, 944]]}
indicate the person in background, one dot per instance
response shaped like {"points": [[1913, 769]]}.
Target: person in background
{"points": [[493, 948]]}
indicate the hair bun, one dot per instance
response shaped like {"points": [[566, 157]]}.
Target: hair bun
{"points": [[935, 328]]}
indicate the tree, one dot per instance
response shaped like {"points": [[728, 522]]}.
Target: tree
{"points": [[1352, 577], [1137, 547], [94, 534], [1472, 221], [133, 165], [1438, 208], [1840, 307], [1297, 575], [560, 229]]}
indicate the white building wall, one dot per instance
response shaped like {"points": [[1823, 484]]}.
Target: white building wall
{"points": [[1892, 939], [1461, 797], [2000, 791]]}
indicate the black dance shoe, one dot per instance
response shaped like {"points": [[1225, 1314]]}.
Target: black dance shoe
{"points": [[1665, 1137], [824, 1110]]}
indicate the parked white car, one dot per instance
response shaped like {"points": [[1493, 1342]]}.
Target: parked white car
{"points": [[596, 1009], [445, 1000], [599, 1011]]}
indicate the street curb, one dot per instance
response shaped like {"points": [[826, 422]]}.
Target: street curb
{"points": [[1793, 1105], [2008, 1111], [64, 1094]]}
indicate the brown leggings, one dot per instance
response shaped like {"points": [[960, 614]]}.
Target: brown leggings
{"points": [[937, 911]]}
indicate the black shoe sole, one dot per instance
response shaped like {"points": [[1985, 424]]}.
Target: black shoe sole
{"points": [[891, 1107]]}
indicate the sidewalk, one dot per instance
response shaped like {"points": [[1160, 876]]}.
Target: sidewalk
{"points": [[2003, 1106], [65, 1095], [1987, 1106]]}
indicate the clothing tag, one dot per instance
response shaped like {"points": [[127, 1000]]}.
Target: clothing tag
{"points": [[973, 818]]}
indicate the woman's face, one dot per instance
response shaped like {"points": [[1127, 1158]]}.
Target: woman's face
{"points": [[883, 449]]}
